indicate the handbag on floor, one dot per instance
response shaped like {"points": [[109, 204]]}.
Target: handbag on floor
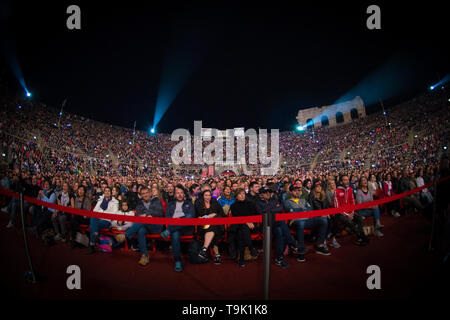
{"points": [[48, 237], [82, 239], [368, 230], [247, 255], [105, 244]]}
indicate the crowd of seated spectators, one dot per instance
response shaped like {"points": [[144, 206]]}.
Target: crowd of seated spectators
{"points": [[77, 162], [210, 197]]}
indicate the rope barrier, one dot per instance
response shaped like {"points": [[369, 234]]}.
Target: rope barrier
{"points": [[218, 221]]}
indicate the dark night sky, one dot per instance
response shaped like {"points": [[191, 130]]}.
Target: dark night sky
{"points": [[251, 66]]}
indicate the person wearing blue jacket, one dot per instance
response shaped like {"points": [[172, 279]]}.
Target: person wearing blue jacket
{"points": [[147, 206], [269, 203], [180, 207], [226, 199]]}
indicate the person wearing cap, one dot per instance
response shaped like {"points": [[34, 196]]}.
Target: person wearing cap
{"points": [[295, 203], [273, 188], [298, 183], [269, 203]]}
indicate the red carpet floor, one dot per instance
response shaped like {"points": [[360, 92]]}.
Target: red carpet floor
{"points": [[406, 268]]}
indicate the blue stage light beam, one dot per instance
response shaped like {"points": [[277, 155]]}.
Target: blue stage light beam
{"points": [[443, 81], [394, 77], [185, 54], [11, 58], [16, 70]]}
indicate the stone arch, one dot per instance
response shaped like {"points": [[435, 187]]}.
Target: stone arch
{"points": [[339, 117]]}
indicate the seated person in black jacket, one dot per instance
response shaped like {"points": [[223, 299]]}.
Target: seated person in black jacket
{"points": [[241, 233], [207, 207], [269, 203]]}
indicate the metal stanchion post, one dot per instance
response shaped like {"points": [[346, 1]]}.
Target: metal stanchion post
{"points": [[29, 275], [267, 249]]}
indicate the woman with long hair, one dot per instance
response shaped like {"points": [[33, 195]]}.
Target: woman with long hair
{"points": [[132, 195], [363, 195], [285, 191], [373, 185], [208, 207], [389, 190], [156, 193], [87, 187], [318, 198], [83, 202], [59, 219], [318, 201], [107, 203], [117, 193], [329, 192], [330, 195]]}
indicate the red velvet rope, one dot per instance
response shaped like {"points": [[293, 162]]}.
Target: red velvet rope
{"points": [[219, 221]]}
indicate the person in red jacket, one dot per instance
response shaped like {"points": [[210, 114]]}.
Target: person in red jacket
{"points": [[343, 197]]}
